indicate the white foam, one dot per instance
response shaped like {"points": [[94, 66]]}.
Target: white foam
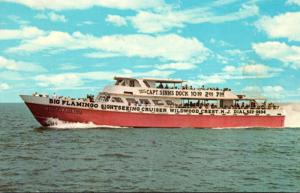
{"points": [[59, 124], [292, 112], [230, 128]]}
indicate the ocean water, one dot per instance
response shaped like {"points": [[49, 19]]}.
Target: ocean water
{"points": [[78, 158]]}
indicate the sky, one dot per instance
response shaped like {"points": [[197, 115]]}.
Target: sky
{"points": [[76, 47]]}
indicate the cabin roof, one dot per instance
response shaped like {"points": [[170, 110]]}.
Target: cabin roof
{"points": [[123, 78], [253, 98], [158, 80]]}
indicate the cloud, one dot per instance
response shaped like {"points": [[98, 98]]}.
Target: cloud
{"points": [[52, 16], [14, 65], [85, 4], [221, 43], [53, 40], [86, 23], [233, 56], [22, 33], [116, 20], [151, 22], [18, 20], [101, 55], [238, 53], [213, 79], [281, 26], [250, 71], [271, 92], [73, 80], [273, 89], [170, 47], [258, 70], [175, 66], [59, 80], [296, 2], [4, 86], [11, 75], [289, 55], [68, 67]]}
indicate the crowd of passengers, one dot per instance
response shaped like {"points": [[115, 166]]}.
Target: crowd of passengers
{"points": [[186, 87], [213, 106], [89, 98], [235, 106]]}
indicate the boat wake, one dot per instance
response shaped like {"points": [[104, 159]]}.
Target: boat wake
{"points": [[59, 124], [292, 111], [55, 123]]}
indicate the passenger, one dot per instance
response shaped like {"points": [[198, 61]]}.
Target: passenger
{"points": [[160, 85]]}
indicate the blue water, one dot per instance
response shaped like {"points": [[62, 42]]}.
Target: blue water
{"points": [[38, 159]]}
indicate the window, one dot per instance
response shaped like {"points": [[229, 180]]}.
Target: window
{"points": [[118, 82], [144, 101], [131, 83], [131, 100], [146, 83], [158, 102], [169, 102], [117, 100], [104, 98], [127, 92]]}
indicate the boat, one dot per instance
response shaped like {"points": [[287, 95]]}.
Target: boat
{"points": [[158, 103]]}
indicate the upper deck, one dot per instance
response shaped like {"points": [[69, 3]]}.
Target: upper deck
{"points": [[168, 88]]}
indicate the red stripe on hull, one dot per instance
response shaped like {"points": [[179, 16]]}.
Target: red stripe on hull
{"points": [[127, 119]]}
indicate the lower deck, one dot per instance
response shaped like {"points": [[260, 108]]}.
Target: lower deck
{"points": [[44, 112], [153, 109]]}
